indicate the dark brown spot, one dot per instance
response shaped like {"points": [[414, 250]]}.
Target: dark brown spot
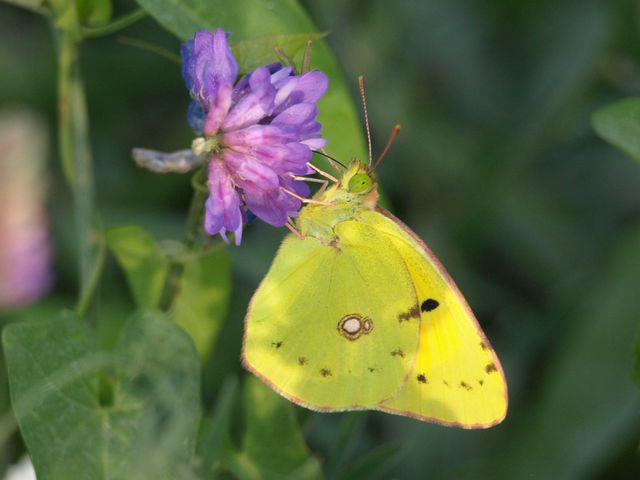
{"points": [[397, 353], [335, 241], [325, 372], [372, 369], [422, 379], [302, 360], [445, 383], [490, 368], [276, 344], [413, 312], [429, 304], [480, 382], [483, 345], [466, 386]]}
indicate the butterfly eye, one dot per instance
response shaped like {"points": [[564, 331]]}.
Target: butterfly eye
{"points": [[360, 182]]}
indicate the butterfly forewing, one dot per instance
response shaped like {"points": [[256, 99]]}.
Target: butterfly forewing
{"points": [[335, 326], [456, 379]]}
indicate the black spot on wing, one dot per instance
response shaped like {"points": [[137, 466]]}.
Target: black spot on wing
{"points": [[429, 304], [302, 360], [466, 386], [422, 379], [277, 344], [397, 353], [325, 372], [491, 368]]}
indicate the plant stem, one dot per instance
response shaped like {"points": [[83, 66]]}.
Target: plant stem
{"points": [[77, 164], [150, 47], [88, 292], [194, 218], [118, 24], [193, 230]]}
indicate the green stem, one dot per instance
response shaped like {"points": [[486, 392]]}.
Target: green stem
{"points": [[88, 292], [67, 58], [77, 163], [150, 47], [196, 209], [192, 231], [118, 24]]}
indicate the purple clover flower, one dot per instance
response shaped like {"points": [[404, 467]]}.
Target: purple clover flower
{"points": [[259, 133]]}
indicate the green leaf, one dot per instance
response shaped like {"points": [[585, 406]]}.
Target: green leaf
{"points": [[349, 434], [28, 4], [273, 446], [588, 402], [619, 124], [84, 413], [204, 282], [214, 435], [253, 53], [202, 300], [636, 365], [143, 262], [159, 373], [249, 19], [375, 464]]}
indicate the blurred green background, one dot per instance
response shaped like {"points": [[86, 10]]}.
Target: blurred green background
{"points": [[497, 168]]}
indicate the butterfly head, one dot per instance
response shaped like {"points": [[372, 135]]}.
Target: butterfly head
{"points": [[357, 180], [358, 185]]}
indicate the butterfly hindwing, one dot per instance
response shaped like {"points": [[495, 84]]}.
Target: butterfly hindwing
{"points": [[334, 327], [456, 379]]}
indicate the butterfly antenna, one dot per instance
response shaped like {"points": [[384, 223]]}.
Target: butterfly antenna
{"points": [[393, 136], [366, 115]]}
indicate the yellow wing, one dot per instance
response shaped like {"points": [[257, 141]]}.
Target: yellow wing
{"points": [[457, 379], [334, 327]]}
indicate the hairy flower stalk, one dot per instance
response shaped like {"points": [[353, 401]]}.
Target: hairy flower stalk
{"points": [[258, 134]]}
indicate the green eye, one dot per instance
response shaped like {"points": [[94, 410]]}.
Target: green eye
{"points": [[360, 182]]}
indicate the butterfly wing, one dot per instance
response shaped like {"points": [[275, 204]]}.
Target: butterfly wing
{"points": [[457, 378], [334, 327]]}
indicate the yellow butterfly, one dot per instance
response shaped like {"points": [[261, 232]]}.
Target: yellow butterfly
{"points": [[357, 313]]}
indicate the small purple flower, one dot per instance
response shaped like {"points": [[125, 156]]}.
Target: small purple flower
{"points": [[259, 133]]}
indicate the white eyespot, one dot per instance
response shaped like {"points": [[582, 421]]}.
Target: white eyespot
{"points": [[352, 326]]}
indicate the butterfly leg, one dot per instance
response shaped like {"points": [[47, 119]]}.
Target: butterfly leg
{"points": [[293, 230], [324, 183], [324, 174], [305, 200]]}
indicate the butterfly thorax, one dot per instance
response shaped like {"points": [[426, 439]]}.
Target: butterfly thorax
{"points": [[357, 191]]}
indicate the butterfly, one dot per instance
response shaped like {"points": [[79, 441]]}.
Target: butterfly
{"points": [[357, 313]]}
